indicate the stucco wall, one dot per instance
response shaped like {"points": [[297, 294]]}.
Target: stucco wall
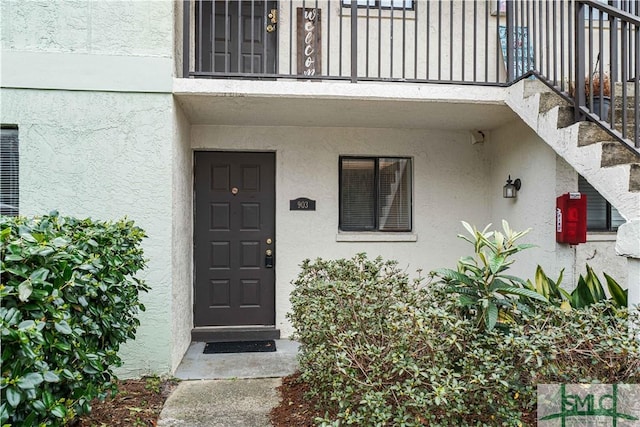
{"points": [[106, 156], [182, 240], [515, 149], [449, 186], [123, 27]]}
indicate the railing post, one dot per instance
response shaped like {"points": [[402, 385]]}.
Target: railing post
{"points": [[186, 36], [354, 41], [579, 98], [511, 30]]}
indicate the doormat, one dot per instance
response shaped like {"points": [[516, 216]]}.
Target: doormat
{"points": [[240, 347]]}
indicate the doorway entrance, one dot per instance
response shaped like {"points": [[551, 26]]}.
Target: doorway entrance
{"points": [[234, 239]]}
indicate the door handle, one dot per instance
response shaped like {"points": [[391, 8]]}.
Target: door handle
{"points": [[273, 19], [268, 258]]}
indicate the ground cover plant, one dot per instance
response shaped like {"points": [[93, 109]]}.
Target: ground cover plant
{"points": [[379, 348], [70, 298]]}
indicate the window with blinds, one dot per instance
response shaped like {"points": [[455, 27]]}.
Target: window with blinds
{"points": [[9, 168], [382, 4], [375, 194], [601, 216]]}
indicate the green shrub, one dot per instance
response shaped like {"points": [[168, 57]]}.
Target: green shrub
{"points": [[69, 299], [381, 349], [588, 291], [485, 291]]}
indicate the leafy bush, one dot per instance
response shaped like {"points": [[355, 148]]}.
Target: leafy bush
{"points": [[588, 291], [486, 292], [69, 299], [381, 349]]}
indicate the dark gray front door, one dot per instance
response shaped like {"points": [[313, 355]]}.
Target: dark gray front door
{"points": [[244, 38], [234, 231]]}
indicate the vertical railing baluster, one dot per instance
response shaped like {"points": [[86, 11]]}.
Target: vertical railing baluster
{"points": [[486, 42], [451, 40], [510, 25], [227, 31], [613, 61], [404, 36], [624, 75], [264, 70], [239, 36], [292, 19], [415, 41], [579, 95], [379, 42], [328, 19], [354, 41], [475, 41], [391, 42], [340, 16], [318, 28], [199, 32], [427, 47], [497, 39], [367, 43], [213, 36], [463, 40], [186, 37], [636, 87], [439, 40]]}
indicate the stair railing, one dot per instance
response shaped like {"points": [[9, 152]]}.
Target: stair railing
{"points": [[607, 67]]}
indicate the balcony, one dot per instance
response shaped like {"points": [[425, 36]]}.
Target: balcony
{"points": [[479, 43]]}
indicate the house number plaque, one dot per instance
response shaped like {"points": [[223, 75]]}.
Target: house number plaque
{"points": [[302, 204]]}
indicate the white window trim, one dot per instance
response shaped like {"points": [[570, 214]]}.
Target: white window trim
{"points": [[376, 236]]}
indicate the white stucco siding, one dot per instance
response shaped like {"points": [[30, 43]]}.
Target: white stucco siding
{"points": [[181, 240], [87, 45], [449, 186], [516, 150], [123, 27], [105, 156]]}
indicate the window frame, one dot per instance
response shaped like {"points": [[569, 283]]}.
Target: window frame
{"points": [[376, 202], [378, 5]]}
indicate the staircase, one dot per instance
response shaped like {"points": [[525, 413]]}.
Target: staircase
{"points": [[606, 164]]}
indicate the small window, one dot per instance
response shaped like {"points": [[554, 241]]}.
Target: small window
{"points": [[9, 169], [375, 194], [382, 4], [601, 216]]}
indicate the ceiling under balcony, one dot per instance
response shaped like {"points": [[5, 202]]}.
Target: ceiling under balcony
{"points": [[339, 104]]}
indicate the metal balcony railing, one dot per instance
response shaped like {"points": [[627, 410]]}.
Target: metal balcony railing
{"points": [[565, 43]]}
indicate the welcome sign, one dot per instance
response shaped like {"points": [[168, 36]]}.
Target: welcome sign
{"points": [[309, 41]]}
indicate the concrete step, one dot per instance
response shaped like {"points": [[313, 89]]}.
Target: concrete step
{"points": [[590, 133], [634, 178], [615, 153]]}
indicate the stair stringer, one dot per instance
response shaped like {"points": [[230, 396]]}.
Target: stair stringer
{"points": [[611, 181]]}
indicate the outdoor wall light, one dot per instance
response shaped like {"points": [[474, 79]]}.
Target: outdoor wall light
{"points": [[510, 189]]}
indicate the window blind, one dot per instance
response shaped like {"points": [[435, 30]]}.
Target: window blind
{"points": [[9, 171], [358, 194], [601, 216]]}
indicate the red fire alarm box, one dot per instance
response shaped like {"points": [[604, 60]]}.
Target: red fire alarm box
{"points": [[571, 218]]}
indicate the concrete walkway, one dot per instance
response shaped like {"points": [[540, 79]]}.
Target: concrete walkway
{"points": [[228, 390]]}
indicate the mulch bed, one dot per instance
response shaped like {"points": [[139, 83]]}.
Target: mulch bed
{"points": [[138, 403], [294, 410]]}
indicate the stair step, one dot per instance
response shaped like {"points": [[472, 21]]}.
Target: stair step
{"points": [[549, 100], [590, 133], [566, 117], [634, 178], [615, 153]]}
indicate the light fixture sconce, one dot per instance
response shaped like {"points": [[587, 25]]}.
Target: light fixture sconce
{"points": [[510, 189]]}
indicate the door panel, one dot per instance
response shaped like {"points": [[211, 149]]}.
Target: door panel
{"points": [[241, 43], [234, 218]]}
